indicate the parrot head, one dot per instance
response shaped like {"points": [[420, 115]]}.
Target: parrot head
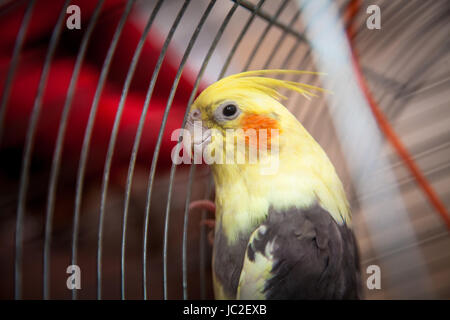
{"points": [[260, 154], [241, 115]]}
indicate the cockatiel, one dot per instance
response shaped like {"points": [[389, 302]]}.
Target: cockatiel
{"points": [[283, 233]]}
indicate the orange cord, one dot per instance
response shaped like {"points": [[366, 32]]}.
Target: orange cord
{"points": [[385, 126], [349, 17]]}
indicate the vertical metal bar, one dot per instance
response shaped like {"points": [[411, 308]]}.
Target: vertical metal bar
{"points": [[293, 49], [168, 105], [88, 134], [56, 161], [249, 6], [414, 82], [281, 40], [297, 44], [26, 160], [306, 109], [264, 34], [155, 156], [208, 194], [137, 141], [398, 8], [240, 37], [113, 137], [290, 54], [185, 229], [101, 217], [13, 64], [136, 145]]}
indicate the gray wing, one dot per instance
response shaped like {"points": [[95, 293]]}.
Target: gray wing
{"points": [[300, 254]]}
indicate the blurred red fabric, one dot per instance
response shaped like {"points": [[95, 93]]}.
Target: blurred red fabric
{"points": [[27, 76]]}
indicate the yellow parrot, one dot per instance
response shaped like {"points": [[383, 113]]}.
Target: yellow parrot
{"points": [[283, 223]]}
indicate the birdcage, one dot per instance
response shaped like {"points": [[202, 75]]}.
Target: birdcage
{"points": [[91, 92]]}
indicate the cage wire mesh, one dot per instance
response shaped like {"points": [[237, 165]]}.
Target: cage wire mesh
{"points": [[85, 125]]}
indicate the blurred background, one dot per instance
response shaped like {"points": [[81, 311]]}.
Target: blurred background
{"points": [[86, 117]]}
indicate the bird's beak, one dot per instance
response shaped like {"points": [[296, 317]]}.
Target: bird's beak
{"points": [[199, 135]]}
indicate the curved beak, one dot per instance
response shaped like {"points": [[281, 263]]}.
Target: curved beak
{"points": [[199, 136]]}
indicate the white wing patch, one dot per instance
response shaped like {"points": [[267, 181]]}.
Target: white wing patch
{"points": [[255, 273]]}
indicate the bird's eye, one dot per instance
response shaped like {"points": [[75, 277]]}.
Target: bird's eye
{"points": [[229, 110]]}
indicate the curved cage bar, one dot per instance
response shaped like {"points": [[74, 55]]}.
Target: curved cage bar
{"points": [[89, 111]]}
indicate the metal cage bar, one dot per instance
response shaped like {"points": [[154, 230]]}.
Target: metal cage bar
{"points": [[88, 134], [14, 62], [56, 161], [115, 129], [402, 81], [26, 160]]}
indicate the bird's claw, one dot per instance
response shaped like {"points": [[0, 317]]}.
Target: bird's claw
{"points": [[203, 204], [211, 207]]}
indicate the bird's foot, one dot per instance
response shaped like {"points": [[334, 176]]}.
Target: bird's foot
{"points": [[207, 205]]}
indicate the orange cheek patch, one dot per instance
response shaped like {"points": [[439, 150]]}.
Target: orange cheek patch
{"points": [[259, 122]]}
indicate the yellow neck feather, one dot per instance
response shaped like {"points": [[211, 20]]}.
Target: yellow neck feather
{"points": [[305, 176]]}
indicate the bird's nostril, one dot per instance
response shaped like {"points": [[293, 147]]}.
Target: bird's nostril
{"points": [[195, 115]]}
